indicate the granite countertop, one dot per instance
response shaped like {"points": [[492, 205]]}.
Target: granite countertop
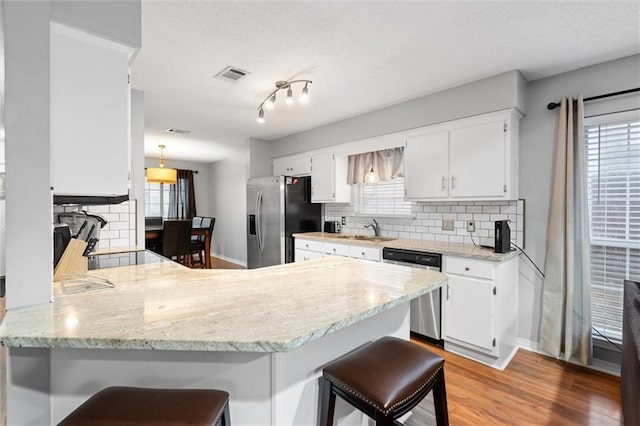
{"points": [[165, 306], [445, 248]]}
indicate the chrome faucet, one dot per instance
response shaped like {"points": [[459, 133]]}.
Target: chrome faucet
{"points": [[375, 226]]}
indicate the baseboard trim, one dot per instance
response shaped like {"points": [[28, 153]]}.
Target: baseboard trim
{"points": [[598, 365], [230, 259]]}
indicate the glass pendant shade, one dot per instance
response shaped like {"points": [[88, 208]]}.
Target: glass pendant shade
{"points": [[371, 178]]}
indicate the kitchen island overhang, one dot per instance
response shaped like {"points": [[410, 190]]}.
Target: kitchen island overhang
{"points": [[263, 335]]}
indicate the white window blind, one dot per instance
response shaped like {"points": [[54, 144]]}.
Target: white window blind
{"points": [[382, 199], [156, 200], [613, 186]]}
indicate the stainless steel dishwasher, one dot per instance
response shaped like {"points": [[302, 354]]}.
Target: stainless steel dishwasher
{"points": [[425, 310]]}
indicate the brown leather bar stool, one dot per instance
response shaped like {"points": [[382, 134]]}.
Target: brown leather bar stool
{"points": [[385, 379], [128, 406]]}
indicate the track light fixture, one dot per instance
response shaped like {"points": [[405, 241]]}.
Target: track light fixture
{"points": [[269, 101]]}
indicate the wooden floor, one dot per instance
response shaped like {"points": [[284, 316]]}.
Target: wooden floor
{"points": [[532, 390], [217, 263]]}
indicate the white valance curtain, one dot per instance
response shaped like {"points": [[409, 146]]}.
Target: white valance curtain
{"points": [[566, 300], [387, 163]]}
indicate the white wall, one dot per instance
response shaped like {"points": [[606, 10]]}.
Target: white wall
{"points": [[28, 197], [137, 161], [200, 181], [536, 158], [259, 158], [229, 207]]}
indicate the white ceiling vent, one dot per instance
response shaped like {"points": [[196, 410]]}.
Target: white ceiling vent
{"points": [[232, 74], [178, 131]]}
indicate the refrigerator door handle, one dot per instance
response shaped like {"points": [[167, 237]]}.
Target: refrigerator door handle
{"points": [[258, 220]]}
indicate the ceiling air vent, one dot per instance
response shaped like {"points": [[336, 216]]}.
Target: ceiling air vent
{"points": [[232, 74], [178, 131]]}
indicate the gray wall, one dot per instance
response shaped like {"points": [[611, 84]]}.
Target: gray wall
{"points": [[490, 94], [259, 158], [200, 181], [229, 206], [536, 157]]}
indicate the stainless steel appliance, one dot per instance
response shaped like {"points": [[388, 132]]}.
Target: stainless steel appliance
{"points": [[332, 227], [425, 321], [277, 207]]}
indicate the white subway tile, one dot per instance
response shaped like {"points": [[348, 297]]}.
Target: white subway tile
{"points": [[416, 236], [474, 209], [428, 222], [117, 225], [443, 209], [490, 209], [409, 229], [478, 217], [456, 239], [495, 217], [404, 235], [508, 209], [430, 209], [119, 208], [464, 216], [458, 209], [96, 209], [119, 242], [444, 238]]}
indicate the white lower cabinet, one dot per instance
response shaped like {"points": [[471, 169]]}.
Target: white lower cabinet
{"points": [[303, 255], [312, 249], [480, 309]]}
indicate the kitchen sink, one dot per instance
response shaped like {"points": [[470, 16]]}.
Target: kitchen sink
{"points": [[372, 238]]}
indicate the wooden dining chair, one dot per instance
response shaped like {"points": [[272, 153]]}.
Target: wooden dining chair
{"points": [[176, 240], [198, 244]]}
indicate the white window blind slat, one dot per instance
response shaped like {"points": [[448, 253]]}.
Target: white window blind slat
{"points": [[382, 199], [613, 189]]}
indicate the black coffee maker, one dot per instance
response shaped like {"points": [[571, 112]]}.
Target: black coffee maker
{"points": [[502, 237]]}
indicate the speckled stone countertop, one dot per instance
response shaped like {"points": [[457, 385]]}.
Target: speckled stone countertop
{"points": [[445, 248], [166, 306]]}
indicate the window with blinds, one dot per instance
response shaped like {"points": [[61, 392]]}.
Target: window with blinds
{"points": [[156, 200], [382, 199], [613, 185]]}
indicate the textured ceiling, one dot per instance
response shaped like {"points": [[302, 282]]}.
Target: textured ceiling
{"points": [[361, 56]]}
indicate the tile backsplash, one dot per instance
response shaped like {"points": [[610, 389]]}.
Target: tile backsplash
{"points": [[120, 230], [426, 223]]}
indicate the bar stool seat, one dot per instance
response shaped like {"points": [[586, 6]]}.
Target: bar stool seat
{"points": [[385, 379], [128, 406]]}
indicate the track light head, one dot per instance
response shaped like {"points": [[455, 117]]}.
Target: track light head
{"points": [[304, 96], [260, 118], [289, 99], [269, 101]]}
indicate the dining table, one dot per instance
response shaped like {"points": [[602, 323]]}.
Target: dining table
{"points": [[155, 232]]}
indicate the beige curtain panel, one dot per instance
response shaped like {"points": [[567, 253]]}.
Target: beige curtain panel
{"points": [[387, 163], [566, 300]]}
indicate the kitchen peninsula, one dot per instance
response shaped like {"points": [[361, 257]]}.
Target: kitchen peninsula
{"points": [[263, 335]]}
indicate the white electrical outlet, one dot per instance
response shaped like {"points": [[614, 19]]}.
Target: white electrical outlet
{"points": [[471, 226]]}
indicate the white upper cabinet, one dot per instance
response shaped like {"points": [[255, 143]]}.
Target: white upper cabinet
{"points": [[90, 114], [469, 159], [426, 166], [477, 160], [297, 165], [329, 179]]}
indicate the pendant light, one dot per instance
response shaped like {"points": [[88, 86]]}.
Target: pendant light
{"points": [[371, 178], [161, 174]]}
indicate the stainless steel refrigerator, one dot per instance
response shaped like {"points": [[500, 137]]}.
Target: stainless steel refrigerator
{"points": [[277, 207]]}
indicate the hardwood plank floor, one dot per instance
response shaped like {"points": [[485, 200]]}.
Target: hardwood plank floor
{"points": [[217, 263], [532, 390]]}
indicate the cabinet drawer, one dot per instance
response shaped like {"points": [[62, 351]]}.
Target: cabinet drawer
{"points": [[468, 267], [309, 245], [339, 249], [369, 253], [304, 255]]}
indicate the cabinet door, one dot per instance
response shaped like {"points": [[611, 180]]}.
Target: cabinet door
{"points": [[426, 166], [300, 166], [90, 111], [322, 177], [477, 160], [469, 311], [281, 167], [367, 253], [304, 255]]}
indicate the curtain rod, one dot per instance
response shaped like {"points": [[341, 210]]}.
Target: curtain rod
{"points": [[194, 171], [554, 105]]}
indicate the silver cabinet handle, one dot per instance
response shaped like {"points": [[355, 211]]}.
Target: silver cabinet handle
{"points": [[444, 183], [466, 268], [447, 291], [334, 249], [364, 255], [306, 245], [453, 182]]}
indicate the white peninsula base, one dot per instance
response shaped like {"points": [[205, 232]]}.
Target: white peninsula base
{"points": [[279, 388]]}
